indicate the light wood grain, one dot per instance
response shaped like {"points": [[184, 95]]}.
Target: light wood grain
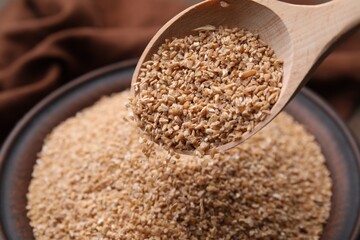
{"points": [[300, 35]]}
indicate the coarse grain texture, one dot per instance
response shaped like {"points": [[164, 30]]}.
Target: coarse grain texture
{"points": [[92, 181], [207, 89]]}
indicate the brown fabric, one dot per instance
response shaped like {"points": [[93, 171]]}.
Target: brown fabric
{"points": [[46, 43]]}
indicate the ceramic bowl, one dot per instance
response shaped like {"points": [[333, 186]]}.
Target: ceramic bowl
{"points": [[18, 154]]}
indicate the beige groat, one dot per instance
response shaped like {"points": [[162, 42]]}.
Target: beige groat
{"points": [[92, 181], [206, 89]]}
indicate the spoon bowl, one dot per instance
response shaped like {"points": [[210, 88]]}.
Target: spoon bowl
{"points": [[300, 36]]}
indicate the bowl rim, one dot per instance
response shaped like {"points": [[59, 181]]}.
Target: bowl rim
{"points": [[5, 148], [22, 124]]}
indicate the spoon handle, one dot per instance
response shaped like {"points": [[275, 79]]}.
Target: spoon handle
{"points": [[329, 22], [323, 25], [314, 30]]}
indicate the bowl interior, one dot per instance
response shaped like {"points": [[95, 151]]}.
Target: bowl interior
{"points": [[18, 154]]}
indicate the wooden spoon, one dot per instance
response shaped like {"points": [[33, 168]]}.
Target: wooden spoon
{"points": [[300, 35]]}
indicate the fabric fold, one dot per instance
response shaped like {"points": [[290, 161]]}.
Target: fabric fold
{"points": [[45, 44]]}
